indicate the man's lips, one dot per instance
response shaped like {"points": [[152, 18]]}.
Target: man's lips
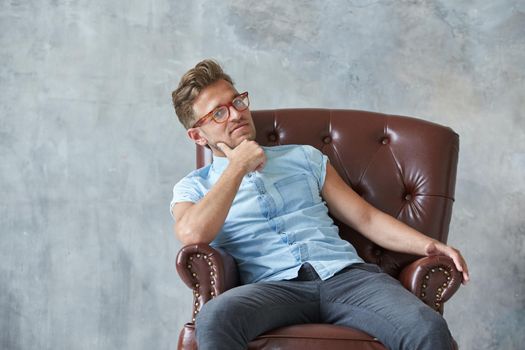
{"points": [[238, 127]]}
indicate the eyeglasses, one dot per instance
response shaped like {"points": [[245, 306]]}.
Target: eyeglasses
{"points": [[221, 114]]}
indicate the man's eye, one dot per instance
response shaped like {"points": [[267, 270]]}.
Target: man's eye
{"points": [[220, 113], [239, 103]]}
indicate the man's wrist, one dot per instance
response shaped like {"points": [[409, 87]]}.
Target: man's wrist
{"points": [[235, 169]]}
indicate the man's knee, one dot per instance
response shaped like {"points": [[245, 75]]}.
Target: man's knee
{"points": [[217, 312], [429, 330], [228, 313], [217, 325]]}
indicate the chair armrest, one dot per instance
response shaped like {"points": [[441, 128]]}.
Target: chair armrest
{"points": [[433, 279], [208, 271]]}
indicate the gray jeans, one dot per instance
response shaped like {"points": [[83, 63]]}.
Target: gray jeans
{"points": [[360, 296]]}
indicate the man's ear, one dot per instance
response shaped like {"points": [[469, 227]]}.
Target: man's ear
{"points": [[197, 136]]}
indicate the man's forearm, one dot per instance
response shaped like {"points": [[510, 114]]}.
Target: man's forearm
{"points": [[395, 235], [203, 221]]}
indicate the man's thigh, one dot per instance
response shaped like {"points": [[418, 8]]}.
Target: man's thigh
{"points": [[367, 299], [252, 309]]}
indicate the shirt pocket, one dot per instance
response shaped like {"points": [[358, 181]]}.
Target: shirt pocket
{"points": [[295, 192]]}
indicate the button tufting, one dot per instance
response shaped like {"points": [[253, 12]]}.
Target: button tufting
{"points": [[408, 196], [385, 141], [327, 139], [272, 137]]}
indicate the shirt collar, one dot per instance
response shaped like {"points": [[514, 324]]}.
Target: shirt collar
{"points": [[219, 164]]}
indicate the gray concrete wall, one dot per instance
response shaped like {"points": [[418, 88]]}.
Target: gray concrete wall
{"points": [[90, 146]]}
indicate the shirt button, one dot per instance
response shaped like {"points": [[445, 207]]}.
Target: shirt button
{"points": [[249, 174]]}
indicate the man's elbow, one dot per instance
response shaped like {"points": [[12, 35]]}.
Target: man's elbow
{"points": [[188, 235]]}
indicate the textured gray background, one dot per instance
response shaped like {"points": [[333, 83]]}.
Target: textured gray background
{"points": [[90, 146]]}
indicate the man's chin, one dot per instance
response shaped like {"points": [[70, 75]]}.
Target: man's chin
{"points": [[247, 138], [233, 143]]}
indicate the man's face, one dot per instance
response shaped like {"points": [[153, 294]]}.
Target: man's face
{"points": [[232, 132]]}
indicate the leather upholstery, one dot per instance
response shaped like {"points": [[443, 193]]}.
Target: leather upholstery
{"points": [[403, 166]]}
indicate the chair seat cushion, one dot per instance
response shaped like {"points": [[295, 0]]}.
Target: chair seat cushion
{"points": [[315, 336]]}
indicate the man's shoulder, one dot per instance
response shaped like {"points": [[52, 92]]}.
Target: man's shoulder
{"points": [[192, 187], [198, 174]]}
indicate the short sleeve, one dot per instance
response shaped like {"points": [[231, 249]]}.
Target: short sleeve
{"points": [[186, 190], [317, 162]]}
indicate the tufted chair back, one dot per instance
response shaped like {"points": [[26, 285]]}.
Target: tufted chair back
{"points": [[403, 166]]}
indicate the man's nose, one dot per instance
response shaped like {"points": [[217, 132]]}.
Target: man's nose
{"points": [[234, 114]]}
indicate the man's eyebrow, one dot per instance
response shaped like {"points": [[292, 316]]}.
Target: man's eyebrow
{"points": [[236, 93]]}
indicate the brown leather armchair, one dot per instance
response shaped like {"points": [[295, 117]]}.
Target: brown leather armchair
{"points": [[403, 166]]}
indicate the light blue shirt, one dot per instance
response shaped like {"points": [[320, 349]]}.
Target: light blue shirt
{"points": [[278, 219]]}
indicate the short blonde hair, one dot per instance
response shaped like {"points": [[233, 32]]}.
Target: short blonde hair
{"points": [[191, 84]]}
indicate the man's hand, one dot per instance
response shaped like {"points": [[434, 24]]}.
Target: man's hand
{"points": [[438, 248], [248, 155]]}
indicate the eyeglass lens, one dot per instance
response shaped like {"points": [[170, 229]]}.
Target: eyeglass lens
{"points": [[240, 103]]}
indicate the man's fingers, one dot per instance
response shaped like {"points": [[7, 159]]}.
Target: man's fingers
{"points": [[224, 148], [466, 275], [464, 272], [461, 266]]}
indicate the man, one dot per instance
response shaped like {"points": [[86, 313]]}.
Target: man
{"points": [[268, 208]]}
